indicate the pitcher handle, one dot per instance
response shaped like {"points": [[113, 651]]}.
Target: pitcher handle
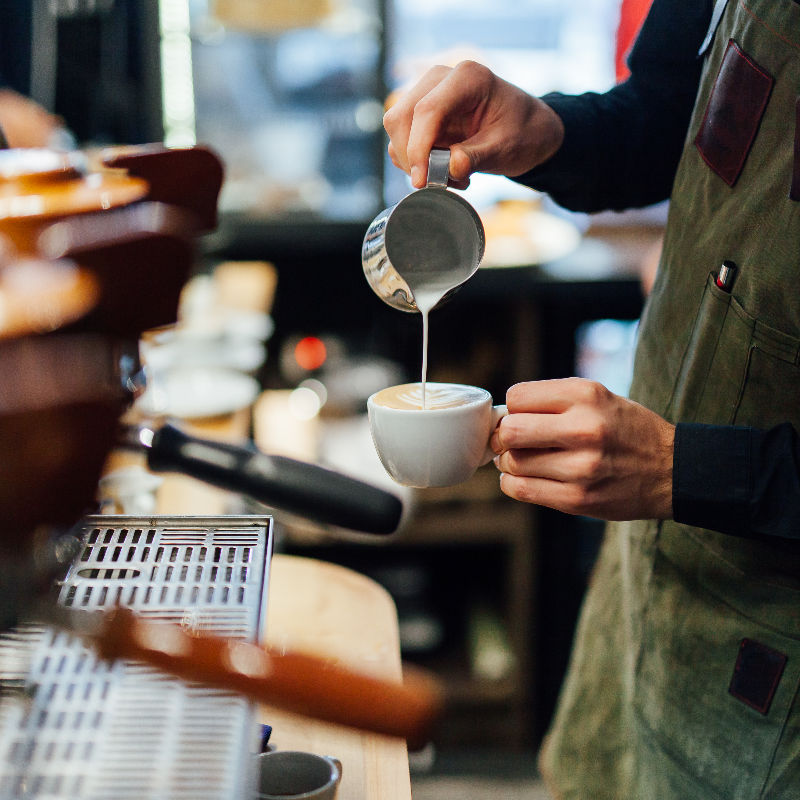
{"points": [[438, 168]]}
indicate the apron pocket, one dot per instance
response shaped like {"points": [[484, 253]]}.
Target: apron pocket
{"points": [[714, 366], [736, 370], [771, 391], [733, 114], [699, 739]]}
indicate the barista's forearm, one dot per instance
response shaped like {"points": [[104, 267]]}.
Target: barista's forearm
{"points": [[621, 148]]}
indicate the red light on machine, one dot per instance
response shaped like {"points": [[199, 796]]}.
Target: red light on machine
{"points": [[310, 353]]}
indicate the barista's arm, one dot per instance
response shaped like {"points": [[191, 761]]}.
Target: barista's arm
{"points": [[621, 148], [572, 445], [738, 480], [591, 151]]}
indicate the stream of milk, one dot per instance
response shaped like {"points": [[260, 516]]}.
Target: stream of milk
{"points": [[426, 299]]}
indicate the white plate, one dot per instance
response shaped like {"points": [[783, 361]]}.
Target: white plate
{"points": [[183, 351], [197, 393], [530, 238]]}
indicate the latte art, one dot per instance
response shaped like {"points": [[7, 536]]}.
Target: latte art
{"points": [[412, 396]]}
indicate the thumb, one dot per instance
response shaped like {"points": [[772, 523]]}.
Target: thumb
{"points": [[480, 153], [464, 160]]}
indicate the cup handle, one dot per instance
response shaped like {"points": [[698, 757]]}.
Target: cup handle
{"points": [[498, 412]]}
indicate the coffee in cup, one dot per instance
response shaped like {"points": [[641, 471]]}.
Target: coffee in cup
{"points": [[440, 441]]}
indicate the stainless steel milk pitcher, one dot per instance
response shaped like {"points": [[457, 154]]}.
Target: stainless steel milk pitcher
{"points": [[431, 239]]}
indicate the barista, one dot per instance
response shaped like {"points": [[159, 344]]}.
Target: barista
{"points": [[683, 679]]}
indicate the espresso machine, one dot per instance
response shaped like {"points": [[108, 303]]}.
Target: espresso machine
{"points": [[130, 661]]}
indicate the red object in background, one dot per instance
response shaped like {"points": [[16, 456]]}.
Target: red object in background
{"points": [[310, 353], [631, 17]]}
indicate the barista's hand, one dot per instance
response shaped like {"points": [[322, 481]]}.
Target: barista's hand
{"points": [[489, 125], [573, 445]]}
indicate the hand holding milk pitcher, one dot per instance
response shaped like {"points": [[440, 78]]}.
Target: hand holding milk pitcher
{"points": [[414, 254]]}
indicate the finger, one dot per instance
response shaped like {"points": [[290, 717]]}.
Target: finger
{"points": [[585, 467], [393, 156], [554, 396], [456, 183], [459, 184], [458, 177], [440, 116], [520, 431], [543, 492], [482, 152], [398, 119], [491, 149], [462, 165]]}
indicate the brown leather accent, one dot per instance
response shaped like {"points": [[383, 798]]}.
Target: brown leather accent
{"points": [[187, 177], [756, 675], [737, 103]]}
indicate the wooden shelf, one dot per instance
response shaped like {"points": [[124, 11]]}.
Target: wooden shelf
{"points": [[480, 548], [468, 522]]}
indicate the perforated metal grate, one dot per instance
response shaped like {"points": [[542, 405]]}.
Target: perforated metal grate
{"points": [[74, 727]]}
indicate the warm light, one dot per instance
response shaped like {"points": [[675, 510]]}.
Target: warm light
{"points": [[177, 88], [310, 353], [304, 403]]}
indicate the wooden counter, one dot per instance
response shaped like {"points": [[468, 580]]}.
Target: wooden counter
{"points": [[337, 613]]}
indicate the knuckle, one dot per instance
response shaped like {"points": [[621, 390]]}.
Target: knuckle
{"points": [[472, 70], [426, 105], [592, 392], [514, 394], [510, 432], [592, 466], [580, 500], [597, 430], [520, 490], [592, 431], [511, 462], [390, 119]]}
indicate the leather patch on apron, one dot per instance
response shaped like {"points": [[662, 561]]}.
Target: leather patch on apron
{"points": [[737, 103], [794, 192], [756, 675]]}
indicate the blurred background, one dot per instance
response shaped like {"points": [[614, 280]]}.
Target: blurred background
{"points": [[290, 94]]}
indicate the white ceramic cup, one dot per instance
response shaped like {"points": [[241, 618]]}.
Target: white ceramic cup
{"points": [[440, 445], [284, 774]]}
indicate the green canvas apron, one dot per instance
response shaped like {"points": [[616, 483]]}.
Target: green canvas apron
{"points": [[683, 681]]}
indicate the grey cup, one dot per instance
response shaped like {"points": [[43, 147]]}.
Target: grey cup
{"points": [[284, 774]]}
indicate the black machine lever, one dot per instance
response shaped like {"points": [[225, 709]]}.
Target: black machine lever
{"points": [[307, 490]]}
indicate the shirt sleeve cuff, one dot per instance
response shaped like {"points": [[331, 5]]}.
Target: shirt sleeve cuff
{"points": [[712, 477]]}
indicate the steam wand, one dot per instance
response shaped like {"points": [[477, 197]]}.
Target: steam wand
{"points": [[307, 490]]}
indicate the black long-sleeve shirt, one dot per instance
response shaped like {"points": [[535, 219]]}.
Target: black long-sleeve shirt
{"points": [[620, 150], [15, 45]]}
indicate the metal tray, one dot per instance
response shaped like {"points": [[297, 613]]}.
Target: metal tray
{"points": [[74, 727]]}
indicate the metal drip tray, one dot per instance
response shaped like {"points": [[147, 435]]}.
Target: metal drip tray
{"points": [[75, 727]]}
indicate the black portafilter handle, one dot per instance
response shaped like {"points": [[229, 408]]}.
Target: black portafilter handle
{"points": [[307, 490]]}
